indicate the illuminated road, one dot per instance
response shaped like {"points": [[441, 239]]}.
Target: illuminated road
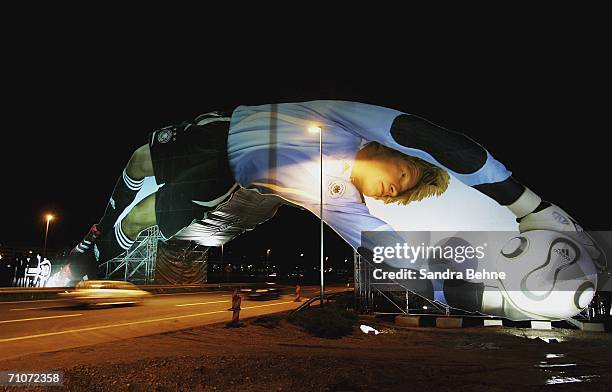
{"points": [[28, 327]]}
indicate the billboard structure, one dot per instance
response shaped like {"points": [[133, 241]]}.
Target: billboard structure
{"points": [[369, 169]]}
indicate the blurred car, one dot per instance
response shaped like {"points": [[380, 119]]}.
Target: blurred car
{"points": [[105, 292], [259, 293]]}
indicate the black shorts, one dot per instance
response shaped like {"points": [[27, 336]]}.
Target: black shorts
{"points": [[191, 162]]}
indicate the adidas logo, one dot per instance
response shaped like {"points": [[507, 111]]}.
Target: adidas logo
{"points": [[564, 253]]}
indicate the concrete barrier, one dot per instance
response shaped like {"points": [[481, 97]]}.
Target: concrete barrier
{"points": [[541, 325], [407, 321], [590, 326], [449, 322]]}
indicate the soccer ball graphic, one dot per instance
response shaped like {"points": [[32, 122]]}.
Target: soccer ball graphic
{"points": [[549, 276]]}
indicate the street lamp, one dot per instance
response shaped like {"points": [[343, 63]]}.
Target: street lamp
{"points": [[317, 129], [267, 256], [49, 219]]}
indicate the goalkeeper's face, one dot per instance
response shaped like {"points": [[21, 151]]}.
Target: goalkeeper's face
{"points": [[378, 174]]}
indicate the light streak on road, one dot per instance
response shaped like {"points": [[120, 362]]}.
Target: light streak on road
{"points": [[40, 318], [203, 303]]}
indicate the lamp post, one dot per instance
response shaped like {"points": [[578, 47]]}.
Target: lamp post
{"points": [[267, 262], [221, 263], [317, 129], [49, 219]]}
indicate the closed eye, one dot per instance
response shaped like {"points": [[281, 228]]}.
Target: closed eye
{"points": [[404, 181]]}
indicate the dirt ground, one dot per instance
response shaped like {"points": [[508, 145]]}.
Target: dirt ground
{"points": [[270, 354]]}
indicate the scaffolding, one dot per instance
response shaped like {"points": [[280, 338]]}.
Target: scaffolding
{"points": [[137, 265], [389, 297]]}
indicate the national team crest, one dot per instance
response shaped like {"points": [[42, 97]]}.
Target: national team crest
{"points": [[336, 189], [165, 135]]}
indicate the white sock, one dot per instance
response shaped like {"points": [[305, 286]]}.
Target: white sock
{"points": [[123, 240], [525, 204]]}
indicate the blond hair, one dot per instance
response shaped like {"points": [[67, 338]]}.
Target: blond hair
{"points": [[434, 180]]}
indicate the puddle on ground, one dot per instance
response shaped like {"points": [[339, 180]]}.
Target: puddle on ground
{"points": [[566, 380], [559, 370]]}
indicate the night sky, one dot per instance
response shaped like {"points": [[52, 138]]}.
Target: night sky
{"points": [[75, 113]]}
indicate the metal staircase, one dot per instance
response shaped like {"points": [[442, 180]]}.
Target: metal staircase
{"points": [[389, 297]]}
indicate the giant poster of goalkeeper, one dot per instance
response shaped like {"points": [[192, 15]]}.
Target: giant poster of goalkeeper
{"points": [[224, 173]]}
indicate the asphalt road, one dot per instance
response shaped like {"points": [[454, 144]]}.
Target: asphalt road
{"points": [[28, 327]]}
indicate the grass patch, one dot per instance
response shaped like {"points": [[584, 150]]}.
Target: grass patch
{"points": [[330, 321], [270, 322]]}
